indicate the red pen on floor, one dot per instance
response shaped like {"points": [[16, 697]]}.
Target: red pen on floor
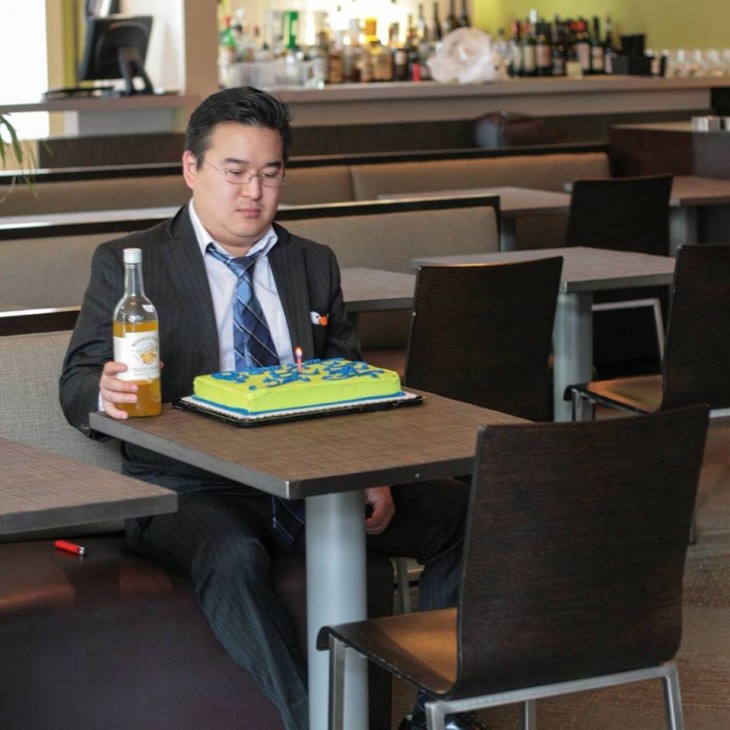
{"points": [[70, 547]]}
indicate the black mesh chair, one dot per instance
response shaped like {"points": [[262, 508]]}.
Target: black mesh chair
{"points": [[483, 333], [572, 575], [624, 214]]}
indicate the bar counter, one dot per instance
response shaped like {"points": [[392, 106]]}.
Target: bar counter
{"points": [[375, 103]]}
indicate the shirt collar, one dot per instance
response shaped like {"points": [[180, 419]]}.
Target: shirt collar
{"points": [[262, 246]]}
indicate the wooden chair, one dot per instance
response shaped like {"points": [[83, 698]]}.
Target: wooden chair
{"points": [[482, 334], [624, 214], [697, 354], [572, 575]]}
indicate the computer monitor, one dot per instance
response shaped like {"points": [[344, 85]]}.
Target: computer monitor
{"points": [[115, 47]]}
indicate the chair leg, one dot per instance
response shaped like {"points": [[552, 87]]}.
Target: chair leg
{"points": [[583, 408], [337, 684], [435, 716], [529, 715], [404, 585], [673, 699]]}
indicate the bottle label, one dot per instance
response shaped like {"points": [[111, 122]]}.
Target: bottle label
{"points": [[140, 352]]}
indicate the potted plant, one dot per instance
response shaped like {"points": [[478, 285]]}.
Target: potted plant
{"points": [[11, 149]]}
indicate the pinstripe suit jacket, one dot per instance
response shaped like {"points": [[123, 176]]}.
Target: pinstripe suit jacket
{"points": [[307, 278]]}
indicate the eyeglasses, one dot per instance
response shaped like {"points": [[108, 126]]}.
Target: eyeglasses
{"points": [[245, 177]]}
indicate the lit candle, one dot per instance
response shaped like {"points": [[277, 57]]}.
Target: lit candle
{"points": [[298, 355]]}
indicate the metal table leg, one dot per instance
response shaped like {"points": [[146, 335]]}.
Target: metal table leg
{"points": [[336, 593], [572, 346]]}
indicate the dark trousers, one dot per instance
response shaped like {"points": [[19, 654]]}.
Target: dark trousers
{"points": [[223, 541]]}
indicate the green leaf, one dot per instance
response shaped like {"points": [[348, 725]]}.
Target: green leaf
{"points": [[23, 155]]}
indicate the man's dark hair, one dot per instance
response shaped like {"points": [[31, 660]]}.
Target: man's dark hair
{"points": [[245, 105]]}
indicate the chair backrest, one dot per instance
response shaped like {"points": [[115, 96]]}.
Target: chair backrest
{"points": [[697, 354], [575, 548], [483, 333], [621, 213], [47, 272], [30, 366]]}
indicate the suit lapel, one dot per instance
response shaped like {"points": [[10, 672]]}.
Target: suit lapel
{"points": [[290, 274], [189, 279]]}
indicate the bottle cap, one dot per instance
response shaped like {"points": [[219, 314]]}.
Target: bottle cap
{"points": [[132, 255]]}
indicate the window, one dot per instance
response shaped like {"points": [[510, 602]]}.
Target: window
{"points": [[23, 58]]}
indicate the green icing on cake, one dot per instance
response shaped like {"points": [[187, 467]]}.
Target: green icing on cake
{"points": [[281, 387]]}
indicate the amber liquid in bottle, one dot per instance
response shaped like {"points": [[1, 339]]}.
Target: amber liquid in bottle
{"points": [[136, 340]]}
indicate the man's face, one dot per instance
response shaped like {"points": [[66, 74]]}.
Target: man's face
{"points": [[236, 215]]}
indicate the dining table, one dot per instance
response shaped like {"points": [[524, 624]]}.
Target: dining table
{"points": [[328, 462], [691, 193], [585, 271], [514, 203], [376, 290], [40, 490]]}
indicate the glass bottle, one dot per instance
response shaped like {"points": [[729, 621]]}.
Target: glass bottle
{"points": [[464, 19], [437, 32], [597, 49], [136, 339], [451, 22], [583, 46], [543, 50], [529, 50], [559, 51], [608, 48]]}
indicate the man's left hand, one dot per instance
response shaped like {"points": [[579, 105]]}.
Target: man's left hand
{"points": [[383, 509]]}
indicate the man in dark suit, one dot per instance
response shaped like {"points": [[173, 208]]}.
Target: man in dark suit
{"points": [[222, 535]]}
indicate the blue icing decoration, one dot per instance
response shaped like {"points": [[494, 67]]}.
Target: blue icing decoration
{"points": [[276, 375]]}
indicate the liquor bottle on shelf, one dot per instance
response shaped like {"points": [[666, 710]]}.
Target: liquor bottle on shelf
{"points": [[543, 50], [515, 64], [351, 53], [597, 49], [334, 59], [400, 53], [583, 46], [136, 339], [437, 32], [452, 21], [227, 51], [381, 57], [529, 50], [559, 51], [422, 32], [413, 58], [464, 20], [609, 50], [425, 46]]}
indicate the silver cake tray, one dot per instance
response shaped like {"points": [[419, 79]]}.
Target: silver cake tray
{"points": [[241, 418]]}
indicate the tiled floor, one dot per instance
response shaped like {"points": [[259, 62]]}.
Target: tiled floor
{"points": [[704, 656]]}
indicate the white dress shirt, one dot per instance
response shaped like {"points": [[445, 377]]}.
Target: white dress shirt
{"points": [[223, 284]]}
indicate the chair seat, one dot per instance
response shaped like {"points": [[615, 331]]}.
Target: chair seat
{"points": [[641, 394], [419, 648]]}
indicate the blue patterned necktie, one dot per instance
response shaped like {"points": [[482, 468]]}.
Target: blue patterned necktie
{"points": [[251, 337], [254, 348]]}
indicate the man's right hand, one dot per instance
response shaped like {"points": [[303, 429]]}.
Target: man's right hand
{"points": [[113, 390]]}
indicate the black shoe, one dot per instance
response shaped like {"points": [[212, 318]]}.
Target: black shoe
{"points": [[460, 721]]}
